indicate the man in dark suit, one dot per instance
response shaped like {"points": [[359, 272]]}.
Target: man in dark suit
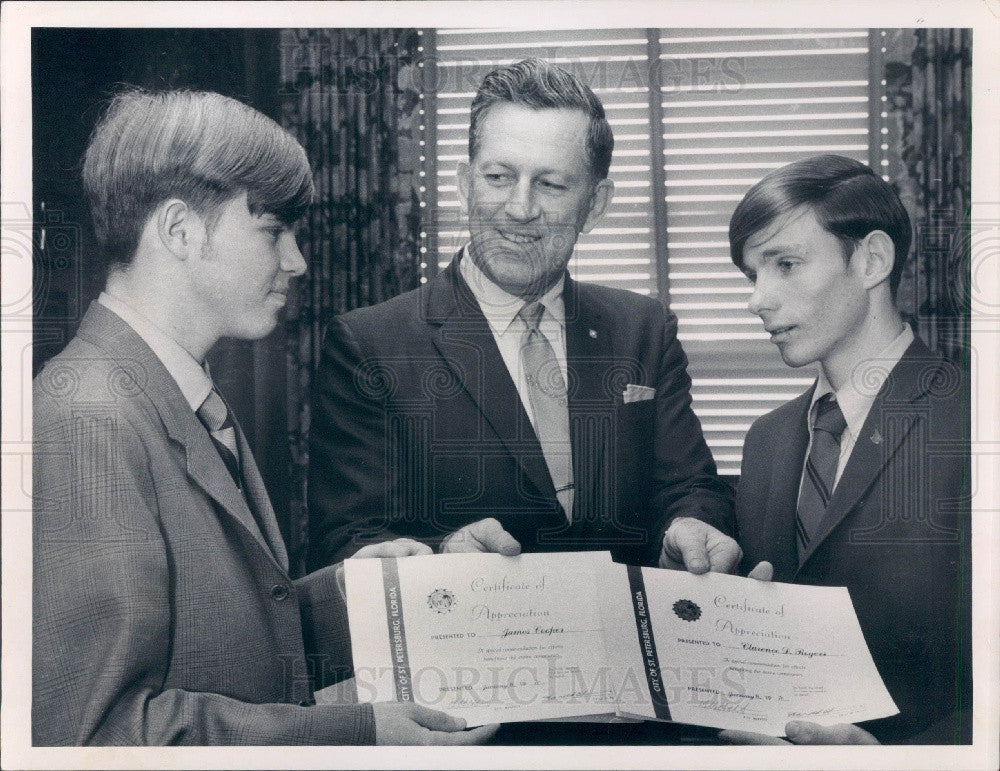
{"points": [[163, 609], [504, 406], [862, 481]]}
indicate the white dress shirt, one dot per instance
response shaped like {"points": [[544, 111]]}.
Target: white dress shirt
{"points": [[501, 308], [193, 380], [857, 396]]}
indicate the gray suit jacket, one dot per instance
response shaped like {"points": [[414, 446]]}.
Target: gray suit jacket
{"points": [[163, 614]]}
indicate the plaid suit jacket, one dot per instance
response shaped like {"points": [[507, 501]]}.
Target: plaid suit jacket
{"points": [[162, 612]]}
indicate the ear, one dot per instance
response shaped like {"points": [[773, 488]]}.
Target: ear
{"points": [[464, 183], [179, 228], [878, 254], [599, 202]]}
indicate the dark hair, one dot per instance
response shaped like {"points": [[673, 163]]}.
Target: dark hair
{"points": [[199, 146], [539, 85], [848, 198]]}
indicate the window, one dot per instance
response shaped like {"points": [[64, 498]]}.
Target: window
{"points": [[699, 115]]}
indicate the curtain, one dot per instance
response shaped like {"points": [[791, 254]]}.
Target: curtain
{"points": [[927, 85], [347, 95]]}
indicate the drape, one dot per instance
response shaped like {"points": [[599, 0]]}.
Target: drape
{"points": [[927, 83], [346, 97]]}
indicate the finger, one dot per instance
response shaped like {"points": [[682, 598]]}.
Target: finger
{"points": [[493, 538], [435, 720], [667, 562], [407, 547], [460, 542], [724, 555], [381, 549], [690, 545], [338, 576], [749, 737], [804, 732], [763, 571], [471, 736]]}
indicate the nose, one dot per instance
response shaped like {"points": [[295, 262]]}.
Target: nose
{"points": [[292, 260], [761, 298], [522, 204]]}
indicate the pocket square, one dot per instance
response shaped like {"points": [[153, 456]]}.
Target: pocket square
{"points": [[637, 393]]}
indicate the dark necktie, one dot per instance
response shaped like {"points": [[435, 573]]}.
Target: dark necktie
{"points": [[821, 470], [547, 395], [214, 414]]}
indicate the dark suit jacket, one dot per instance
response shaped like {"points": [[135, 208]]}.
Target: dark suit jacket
{"points": [[896, 534], [162, 613], [418, 429]]}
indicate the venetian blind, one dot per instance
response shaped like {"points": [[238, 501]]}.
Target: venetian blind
{"points": [[733, 104], [736, 104], [619, 251]]}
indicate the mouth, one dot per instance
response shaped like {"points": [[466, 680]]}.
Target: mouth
{"points": [[779, 334], [519, 237]]}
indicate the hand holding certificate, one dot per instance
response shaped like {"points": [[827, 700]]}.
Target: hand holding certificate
{"points": [[538, 636]]}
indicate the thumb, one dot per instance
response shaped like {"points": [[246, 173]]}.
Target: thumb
{"points": [[435, 720], [764, 571], [494, 538]]}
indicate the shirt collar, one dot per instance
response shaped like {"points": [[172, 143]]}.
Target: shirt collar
{"points": [[857, 395], [500, 307], [194, 381]]}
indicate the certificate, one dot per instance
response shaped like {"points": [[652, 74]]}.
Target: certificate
{"points": [[481, 636], [570, 635], [728, 652]]}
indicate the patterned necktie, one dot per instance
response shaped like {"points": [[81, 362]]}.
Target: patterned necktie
{"points": [[821, 470], [547, 395], [214, 413]]}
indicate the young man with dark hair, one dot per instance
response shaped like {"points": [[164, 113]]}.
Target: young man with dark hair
{"points": [[862, 481], [163, 609], [504, 406]]}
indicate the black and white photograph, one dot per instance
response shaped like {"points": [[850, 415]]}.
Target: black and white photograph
{"points": [[500, 384]]}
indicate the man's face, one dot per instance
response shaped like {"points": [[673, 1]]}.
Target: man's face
{"points": [[529, 193], [244, 269], [812, 301]]}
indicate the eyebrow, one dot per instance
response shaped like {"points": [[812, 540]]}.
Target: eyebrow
{"points": [[537, 173], [777, 251]]}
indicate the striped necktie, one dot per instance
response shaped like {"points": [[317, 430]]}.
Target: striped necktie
{"points": [[547, 395], [820, 471], [214, 414]]}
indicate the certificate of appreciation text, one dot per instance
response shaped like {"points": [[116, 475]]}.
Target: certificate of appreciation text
{"points": [[485, 637], [543, 636]]}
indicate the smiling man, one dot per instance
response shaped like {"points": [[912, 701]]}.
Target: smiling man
{"points": [[163, 608], [504, 406], [862, 481]]}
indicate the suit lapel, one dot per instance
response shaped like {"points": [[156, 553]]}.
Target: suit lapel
{"points": [[880, 436], [588, 353], [465, 341], [783, 501], [257, 497], [203, 463]]}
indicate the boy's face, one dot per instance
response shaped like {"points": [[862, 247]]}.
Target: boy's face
{"points": [[812, 301], [244, 270]]}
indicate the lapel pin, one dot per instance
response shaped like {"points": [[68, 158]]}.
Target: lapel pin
{"points": [[593, 334], [877, 437]]}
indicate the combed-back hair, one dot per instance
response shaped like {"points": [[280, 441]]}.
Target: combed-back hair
{"points": [[539, 85], [848, 198], [199, 146]]}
